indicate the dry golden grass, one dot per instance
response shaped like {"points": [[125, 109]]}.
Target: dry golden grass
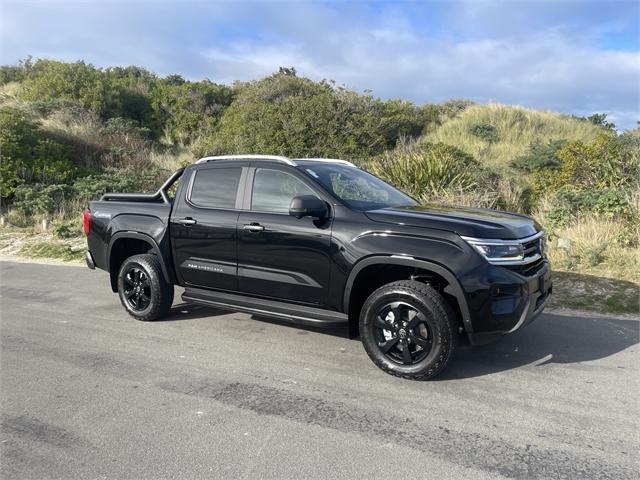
{"points": [[172, 159], [593, 246], [517, 128]]}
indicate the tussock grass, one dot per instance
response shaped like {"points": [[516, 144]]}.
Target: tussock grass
{"points": [[597, 246], [9, 94], [173, 158], [516, 129]]}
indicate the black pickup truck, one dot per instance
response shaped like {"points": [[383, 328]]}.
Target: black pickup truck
{"points": [[321, 242]]}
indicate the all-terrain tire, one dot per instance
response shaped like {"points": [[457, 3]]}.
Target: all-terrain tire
{"points": [[152, 286], [438, 315]]}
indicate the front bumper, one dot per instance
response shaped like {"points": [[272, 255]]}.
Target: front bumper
{"points": [[507, 313]]}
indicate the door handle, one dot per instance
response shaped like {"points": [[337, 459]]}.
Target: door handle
{"points": [[187, 221], [253, 227]]}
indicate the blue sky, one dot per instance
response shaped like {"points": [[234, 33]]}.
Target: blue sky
{"points": [[573, 56]]}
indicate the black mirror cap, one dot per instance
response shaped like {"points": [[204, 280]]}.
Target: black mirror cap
{"points": [[308, 206]]}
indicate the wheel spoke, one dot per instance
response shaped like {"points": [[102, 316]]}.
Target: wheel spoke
{"points": [[414, 321], [397, 314], [406, 355], [386, 346], [129, 294], [422, 342], [381, 323]]}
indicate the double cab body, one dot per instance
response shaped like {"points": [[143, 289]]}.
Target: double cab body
{"points": [[311, 240]]}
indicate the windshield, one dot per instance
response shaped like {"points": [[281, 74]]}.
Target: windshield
{"points": [[358, 189]]}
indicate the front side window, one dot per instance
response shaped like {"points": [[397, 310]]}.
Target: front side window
{"points": [[215, 187], [273, 190]]}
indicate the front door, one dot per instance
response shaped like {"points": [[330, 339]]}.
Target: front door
{"points": [[281, 256], [203, 227]]}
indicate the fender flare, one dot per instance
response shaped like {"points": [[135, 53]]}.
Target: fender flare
{"points": [[146, 238], [454, 288]]}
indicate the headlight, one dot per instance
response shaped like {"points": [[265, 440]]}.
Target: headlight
{"points": [[509, 252], [497, 252]]}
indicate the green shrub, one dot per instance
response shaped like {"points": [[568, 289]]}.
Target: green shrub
{"points": [[569, 203], [187, 109], [126, 180], [297, 117], [67, 230], [595, 256], [28, 156], [539, 157], [289, 115], [485, 131], [607, 162], [40, 199]]}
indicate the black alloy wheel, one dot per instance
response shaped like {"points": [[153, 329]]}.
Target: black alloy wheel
{"points": [[142, 288], [402, 333], [408, 329], [137, 288]]}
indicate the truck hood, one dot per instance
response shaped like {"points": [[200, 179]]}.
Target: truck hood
{"points": [[470, 222]]}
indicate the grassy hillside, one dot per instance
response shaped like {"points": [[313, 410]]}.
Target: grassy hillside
{"points": [[497, 134]]}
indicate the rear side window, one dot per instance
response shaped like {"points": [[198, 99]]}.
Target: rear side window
{"points": [[216, 187], [273, 191]]}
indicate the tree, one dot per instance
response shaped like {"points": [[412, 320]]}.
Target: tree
{"points": [[600, 119]]}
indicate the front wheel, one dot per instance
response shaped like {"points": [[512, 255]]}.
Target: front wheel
{"points": [[408, 330], [143, 291]]}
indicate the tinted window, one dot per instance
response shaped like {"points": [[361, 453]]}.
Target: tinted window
{"points": [[216, 187], [273, 190]]}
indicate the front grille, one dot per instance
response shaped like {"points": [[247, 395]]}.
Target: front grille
{"points": [[532, 250], [528, 269]]}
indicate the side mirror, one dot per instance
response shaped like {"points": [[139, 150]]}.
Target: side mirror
{"points": [[308, 206]]}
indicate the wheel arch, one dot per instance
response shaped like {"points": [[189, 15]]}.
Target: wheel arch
{"points": [[125, 244], [452, 288]]}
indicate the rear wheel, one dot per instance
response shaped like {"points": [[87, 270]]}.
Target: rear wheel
{"points": [[143, 291], [409, 330]]}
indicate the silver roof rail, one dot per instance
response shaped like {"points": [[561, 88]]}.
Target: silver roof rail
{"points": [[275, 158], [327, 160]]}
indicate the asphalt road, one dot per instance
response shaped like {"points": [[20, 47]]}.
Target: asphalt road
{"points": [[88, 392]]}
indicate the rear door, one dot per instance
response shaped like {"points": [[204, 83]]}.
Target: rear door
{"points": [[203, 226], [281, 256]]}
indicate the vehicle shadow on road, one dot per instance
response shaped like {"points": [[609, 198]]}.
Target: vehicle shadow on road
{"points": [[190, 311], [550, 339]]}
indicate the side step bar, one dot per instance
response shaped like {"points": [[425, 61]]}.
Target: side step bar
{"points": [[268, 308]]}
